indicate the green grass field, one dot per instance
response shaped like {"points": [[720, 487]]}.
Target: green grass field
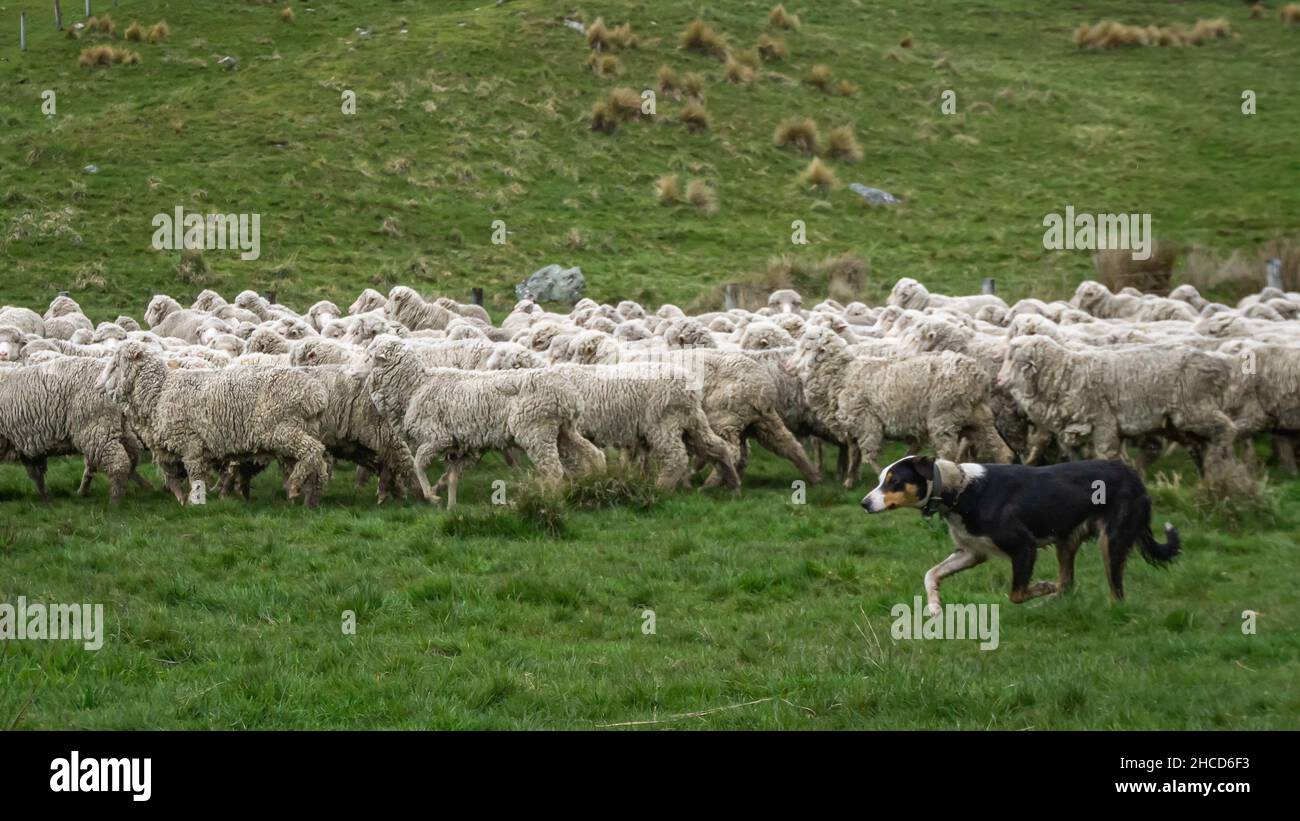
{"points": [[768, 614]]}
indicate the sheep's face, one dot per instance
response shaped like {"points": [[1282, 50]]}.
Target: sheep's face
{"points": [[250, 301], [266, 341], [908, 293], [159, 308], [513, 357], [370, 300], [11, 344], [208, 301], [81, 336], [118, 377], [815, 347], [762, 336], [785, 301], [630, 310], [334, 330], [632, 330], [323, 312], [62, 306], [294, 330], [1089, 294], [1019, 372]]}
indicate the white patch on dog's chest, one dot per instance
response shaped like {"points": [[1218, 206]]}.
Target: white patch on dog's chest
{"points": [[965, 540]]}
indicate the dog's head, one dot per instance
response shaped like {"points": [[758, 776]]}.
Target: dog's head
{"points": [[906, 483]]}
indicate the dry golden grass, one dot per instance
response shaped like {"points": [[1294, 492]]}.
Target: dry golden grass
{"points": [[603, 118], [694, 116], [799, 133], [101, 25], [782, 19], [598, 35], [1117, 269], [1290, 14], [286, 14], [159, 32], [134, 32], [700, 37], [1258, 11], [624, 103], [1215, 29], [818, 175], [842, 144], [693, 85], [622, 37], [105, 55], [702, 196], [666, 82], [772, 49], [845, 89], [667, 189], [819, 77], [906, 41], [1112, 34], [734, 71], [603, 65]]}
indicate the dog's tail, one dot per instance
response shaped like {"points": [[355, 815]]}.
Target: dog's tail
{"points": [[1155, 552]]}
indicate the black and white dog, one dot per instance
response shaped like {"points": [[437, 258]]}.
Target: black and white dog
{"points": [[1013, 510]]}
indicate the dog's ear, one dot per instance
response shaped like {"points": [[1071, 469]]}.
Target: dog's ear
{"points": [[924, 465]]}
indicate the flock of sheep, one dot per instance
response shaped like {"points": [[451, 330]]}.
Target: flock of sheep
{"points": [[220, 390]]}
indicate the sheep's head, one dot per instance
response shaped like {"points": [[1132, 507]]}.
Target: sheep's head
{"points": [[11, 343], [160, 307], [908, 293], [82, 336], [208, 301], [127, 324], [722, 325], [464, 329], [370, 300], [228, 344], [1187, 293], [631, 330], [252, 301], [591, 348], [858, 313], [762, 336], [107, 333], [687, 333], [542, 335], [294, 329], [119, 375], [668, 311], [815, 347], [785, 301], [1020, 367], [630, 310], [62, 306], [601, 324], [1089, 294], [334, 330], [792, 324], [323, 312], [992, 314], [265, 340], [509, 356]]}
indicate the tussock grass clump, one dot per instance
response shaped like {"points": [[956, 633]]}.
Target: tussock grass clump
{"points": [[1257, 11], [286, 14], [772, 49], [693, 85], [700, 37], [782, 19], [702, 196], [819, 77], [105, 55], [1112, 34], [134, 32], [694, 116], [603, 65], [159, 32], [1240, 273], [1117, 269], [101, 25], [666, 82], [1215, 29], [1290, 14], [818, 175], [799, 133], [845, 89], [625, 103], [622, 37], [842, 144], [734, 71], [840, 276], [906, 41], [598, 35], [609, 491], [603, 118], [667, 189]]}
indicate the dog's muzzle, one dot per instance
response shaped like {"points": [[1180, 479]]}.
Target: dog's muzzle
{"points": [[873, 502]]}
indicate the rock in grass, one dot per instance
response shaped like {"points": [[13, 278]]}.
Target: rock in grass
{"points": [[874, 195], [554, 283]]}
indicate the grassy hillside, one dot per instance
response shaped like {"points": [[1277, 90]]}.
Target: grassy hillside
{"points": [[769, 614], [479, 112]]}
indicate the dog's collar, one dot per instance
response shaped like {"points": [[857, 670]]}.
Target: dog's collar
{"points": [[934, 501]]}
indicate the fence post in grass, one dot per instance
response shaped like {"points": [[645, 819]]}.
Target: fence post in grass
{"points": [[63, 293], [58, 16], [22, 31], [269, 296], [1274, 269], [87, 8], [988, 286], [729, 297], [476, 296]]}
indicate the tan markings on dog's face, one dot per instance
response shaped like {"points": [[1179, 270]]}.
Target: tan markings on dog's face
{"points": [[909, 496]]}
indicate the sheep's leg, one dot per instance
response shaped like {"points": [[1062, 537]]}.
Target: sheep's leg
{"points": [[776, 437], [817, 452], [713, 448], [842, 461], [133, 454], [87, 474], [36, 472], [308, 477], [115, 462], [735, 444], [197, 469], [674, 463], [363, 477], [1039, 441], [173, 474], [512, 458], [454, 469], [853, 466], [1284, 447], [947, 444], [423, 456], [1106, 440], [545, 453], [578, 451]]}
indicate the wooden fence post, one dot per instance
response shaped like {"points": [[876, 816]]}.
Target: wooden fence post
{"points": [[476, 296], [87, 8], [988, 286], [58, 16], [1274, 272], [22, 31], [729, 297], [269, 296]]}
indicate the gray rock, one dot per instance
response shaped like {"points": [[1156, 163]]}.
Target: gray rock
{"points": [[91, 169], [554, 283], [874, 195], [576, 25]]}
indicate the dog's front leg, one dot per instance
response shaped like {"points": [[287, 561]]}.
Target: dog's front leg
{"points": [[957, 562]]}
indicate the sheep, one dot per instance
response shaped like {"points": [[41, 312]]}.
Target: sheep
{"points": [[651, 406], [197, 420], [409, 308], [761, 336], [1097, 396], [908, 293], [455, 415], [321, 351], [208, 301], [786, 301], [936, 397], [471, 311], [12, 341], [24, 319], [366, 327], [369, 300], [52, 409], [127, 323], [321, 313]]}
